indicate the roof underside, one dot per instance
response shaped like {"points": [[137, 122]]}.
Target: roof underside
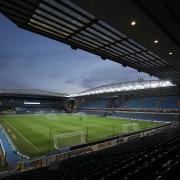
{"points": [[30, 92], [66, 22], [165, 13]]}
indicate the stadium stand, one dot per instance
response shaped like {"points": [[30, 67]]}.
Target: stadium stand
{"points": [[156, 102], [149, 157], [166, 102], [156, 108], [96, 104], [31, 101]]}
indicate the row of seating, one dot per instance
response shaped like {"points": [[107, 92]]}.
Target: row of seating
{"points": [[164, 102], [150, 157], [102, 103], [160, 102]]}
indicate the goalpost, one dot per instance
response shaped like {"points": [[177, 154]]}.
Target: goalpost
{"points": [[69, 139]]}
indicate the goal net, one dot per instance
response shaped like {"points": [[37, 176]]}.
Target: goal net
{"points": [[69, 139], [130, 127]]}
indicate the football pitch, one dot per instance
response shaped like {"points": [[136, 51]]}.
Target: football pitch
{"points": [[33, 135]]}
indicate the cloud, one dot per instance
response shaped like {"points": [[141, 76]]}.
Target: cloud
{"points": [[71, 81], [110, 75], [62, 76], [10, 83]]}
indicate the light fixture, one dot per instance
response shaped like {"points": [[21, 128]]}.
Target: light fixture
{"points": [[133, 23], [156, 41], [170, 53], [32, 103]]}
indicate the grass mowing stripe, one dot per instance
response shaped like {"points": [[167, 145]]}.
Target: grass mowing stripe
{"points": [[27, 140], [38, 128]]}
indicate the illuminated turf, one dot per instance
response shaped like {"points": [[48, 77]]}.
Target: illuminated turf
{"points": [[31, 133]]}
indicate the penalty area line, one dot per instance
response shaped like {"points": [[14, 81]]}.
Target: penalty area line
{"points": [[27, 140]]}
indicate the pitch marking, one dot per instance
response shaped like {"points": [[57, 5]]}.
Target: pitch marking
{"points": [[27, 140], [13, 136]]}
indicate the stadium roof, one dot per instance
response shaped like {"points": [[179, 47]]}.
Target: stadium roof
{"points": [[129, 86], [137, 33], [118, 87], [31, 92]]}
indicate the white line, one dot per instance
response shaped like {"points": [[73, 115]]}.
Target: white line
{"points": [[27, 140]]}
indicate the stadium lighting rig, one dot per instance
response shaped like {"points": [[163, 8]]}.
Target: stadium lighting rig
{"points": [[130, 86]]}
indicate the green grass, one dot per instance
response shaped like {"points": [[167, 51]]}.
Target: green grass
{"points": [[31, 133]]}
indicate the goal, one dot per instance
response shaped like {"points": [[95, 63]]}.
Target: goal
{"points": [[130, 127], [69, 139]]}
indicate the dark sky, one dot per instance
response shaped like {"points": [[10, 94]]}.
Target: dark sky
{"points": [[31, 61]]}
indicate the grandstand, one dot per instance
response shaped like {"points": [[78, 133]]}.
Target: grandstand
{"points": [[145, 102], [24, 101], [121, 100], [129, 130]]}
